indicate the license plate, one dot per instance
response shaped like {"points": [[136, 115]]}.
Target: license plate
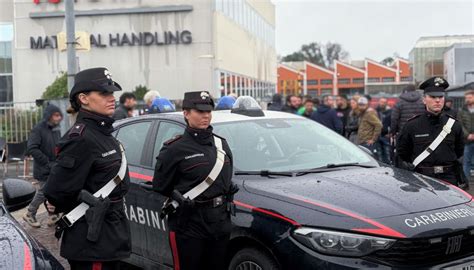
{"points": [[464, 266]]}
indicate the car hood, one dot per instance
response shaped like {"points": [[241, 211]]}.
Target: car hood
{"points": [[17, 248], [370, 192]]}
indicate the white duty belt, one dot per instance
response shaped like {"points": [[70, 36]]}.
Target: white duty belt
{"points": [[105, 191], [430, 149], [216, 170]]}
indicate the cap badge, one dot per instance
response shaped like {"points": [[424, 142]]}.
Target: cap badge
{"points": [[204, 95], [108, 74], [438, 81]]}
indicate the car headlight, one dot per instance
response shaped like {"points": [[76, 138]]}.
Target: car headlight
{"points": [[339, 243]]}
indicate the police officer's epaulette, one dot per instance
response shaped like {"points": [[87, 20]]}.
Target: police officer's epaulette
{"points": [[77, 130], [172, 140], [451, 116], [414, 117], [218, 136]]}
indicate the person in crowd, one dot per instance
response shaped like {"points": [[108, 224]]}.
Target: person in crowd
{"points": [[41, 146], [302, 108], [343, 109], [308, 108], [415, 144], [327, 116], [225, 103], [276, 104], [370, 126], [299, 101], [384, 147], [409, 105], [352, 125], [148, 98], [127, 102], [200, 226], [466, 118], [449, 107], [89, 158], [292, 104]]}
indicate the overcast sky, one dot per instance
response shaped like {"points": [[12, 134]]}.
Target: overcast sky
{"points": [[374, 29]]}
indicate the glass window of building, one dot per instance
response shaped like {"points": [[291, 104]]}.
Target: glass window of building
{"points": [[344, 81], [358, 80], [326, 91], [6, 76], [388, 79], [326, 81], [373, 80], [312, 82]]}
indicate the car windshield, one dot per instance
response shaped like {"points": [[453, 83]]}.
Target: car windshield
{"points": [[288, 145]]}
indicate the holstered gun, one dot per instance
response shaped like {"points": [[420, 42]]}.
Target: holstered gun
{"points": [[172, 203], [95, 214]]}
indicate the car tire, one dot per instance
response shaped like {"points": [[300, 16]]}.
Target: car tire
{"points": [[252, 258]]}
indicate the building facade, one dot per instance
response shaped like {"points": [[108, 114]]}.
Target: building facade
{"points": [[427, 56], [459, 64], [172, 46], [359, 77]]}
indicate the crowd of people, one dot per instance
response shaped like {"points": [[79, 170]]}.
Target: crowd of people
{"points": [[352, 118], [374, 128]]}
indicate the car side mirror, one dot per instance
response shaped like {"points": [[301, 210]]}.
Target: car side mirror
{"points": [[17, 193], [367, 151]]}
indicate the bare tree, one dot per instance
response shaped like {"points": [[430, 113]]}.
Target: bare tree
{"points": [[316, 53]]}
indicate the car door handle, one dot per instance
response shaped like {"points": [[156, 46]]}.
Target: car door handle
{"points": [[147, 186]]}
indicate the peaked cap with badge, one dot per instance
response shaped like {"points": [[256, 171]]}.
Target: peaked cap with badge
{"points": [[199, 100], [92, 79], [434, 86]]}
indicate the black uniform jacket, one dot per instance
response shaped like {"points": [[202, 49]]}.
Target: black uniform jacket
{"points": [[88, 157], [183, 163], [421, 130]]}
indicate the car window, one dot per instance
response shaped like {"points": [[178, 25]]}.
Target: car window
{"points": [[166, 131], [287, 144], [133, 138]]}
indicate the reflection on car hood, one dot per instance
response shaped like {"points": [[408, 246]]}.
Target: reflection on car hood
{"points": [[12, 245], [373, 193]]}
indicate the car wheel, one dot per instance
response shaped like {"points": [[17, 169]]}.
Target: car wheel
{"points": [[252, 259]]}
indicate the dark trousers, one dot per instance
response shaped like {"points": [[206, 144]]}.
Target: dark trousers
{"points": [[384, 150], [81, 265], [193, 253]]}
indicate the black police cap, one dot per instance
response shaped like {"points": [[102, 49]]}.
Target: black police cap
{"points": [[200, 100], [94, 79], [434, 86]]}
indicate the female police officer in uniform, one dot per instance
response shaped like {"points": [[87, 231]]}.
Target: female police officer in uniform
{"points": [[88, 158], [200, 228]]}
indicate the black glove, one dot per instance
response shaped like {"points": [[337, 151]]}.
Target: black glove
{"points": [[185, 204], [407, 166]]}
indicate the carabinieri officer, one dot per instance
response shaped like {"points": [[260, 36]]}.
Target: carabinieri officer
{"points": [[430, 143], [88, 158], [195, 169]]}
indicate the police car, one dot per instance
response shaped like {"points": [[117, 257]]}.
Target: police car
{"points": [[308, 199]]}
